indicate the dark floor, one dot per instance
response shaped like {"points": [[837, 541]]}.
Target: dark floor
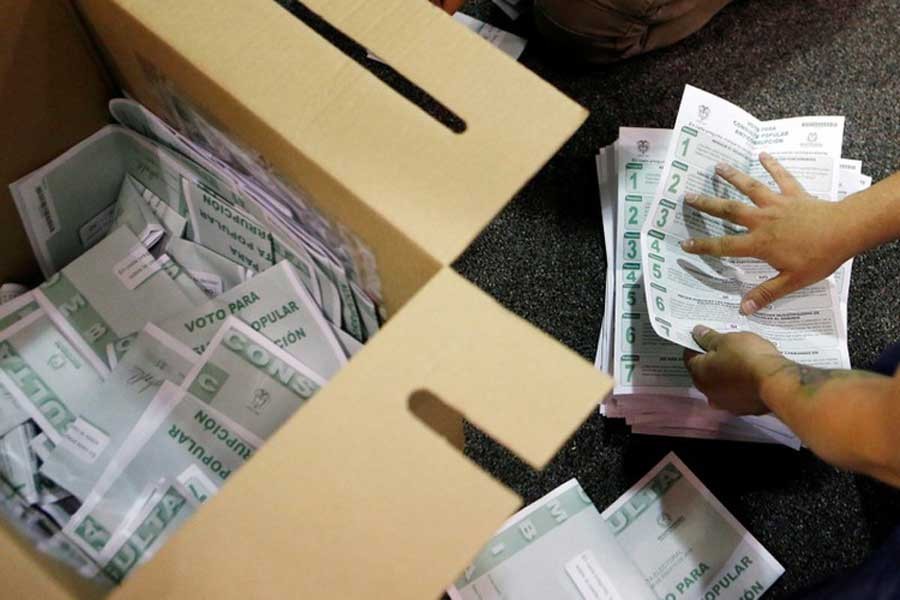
{"points": [[543, 256]]}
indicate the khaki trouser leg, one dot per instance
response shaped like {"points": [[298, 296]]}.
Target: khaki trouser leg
{"points": [[609, 30]]}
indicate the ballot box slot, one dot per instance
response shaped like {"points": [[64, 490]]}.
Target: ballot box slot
{"points": [[451, 424], [384, 72]]}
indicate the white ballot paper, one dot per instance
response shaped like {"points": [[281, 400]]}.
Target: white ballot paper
{"points": [[505, 41], [683, 290], [606, 173], [643, 362], [666, 538], [851, 181], [653, 389], [509, 7]]}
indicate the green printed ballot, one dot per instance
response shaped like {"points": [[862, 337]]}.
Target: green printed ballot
{"points": [[69, 205], [117, 405], [367, 311], [335, 293], [680, 288], [251, 380], [350, 319], [222, 227], [188, 286], [214, 273], [11, 414], [111, 291], [558, 547], [48, 377], [18, 465], [242, 389], [167, 506], [276, 305], [133, 115], [349, 344], [179, 437], [666, 538], [297, 255], [337, 297], [135, 213], [193, 302], [169, 217], [42, 447], [684, 542]]}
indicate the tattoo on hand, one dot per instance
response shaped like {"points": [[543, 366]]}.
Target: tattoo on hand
{"points": [[812, 379]]}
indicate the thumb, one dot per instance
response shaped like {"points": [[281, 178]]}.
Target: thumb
{"points": [[706, 338], [767, 292]]}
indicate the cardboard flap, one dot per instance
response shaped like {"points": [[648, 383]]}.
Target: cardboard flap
{"points": [[278, 85], [356, 496]]}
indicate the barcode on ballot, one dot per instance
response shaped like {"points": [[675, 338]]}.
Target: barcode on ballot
{"points": [[44, 208]]}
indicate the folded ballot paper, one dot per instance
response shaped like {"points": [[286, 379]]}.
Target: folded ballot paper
{"points": [[655, 293], [192, 304], [666, 537], [511, 8]]}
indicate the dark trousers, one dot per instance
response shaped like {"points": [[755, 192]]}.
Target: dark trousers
{"points": [[876, 579]]}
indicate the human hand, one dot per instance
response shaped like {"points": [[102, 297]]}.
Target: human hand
{"points": [[450, 6], [796, 233], [733, 368]]}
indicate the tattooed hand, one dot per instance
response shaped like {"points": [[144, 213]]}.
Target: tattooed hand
{"points": [[732, 371], [737, 367], [848, 418]]}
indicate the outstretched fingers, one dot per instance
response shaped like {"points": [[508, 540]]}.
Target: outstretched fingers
{"points": [[787, 183], [730, 210], [758, 192], [727, 245]]}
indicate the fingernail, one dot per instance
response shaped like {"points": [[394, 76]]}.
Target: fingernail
{"points": [[699, 331], [765, 156], [690, 198], [688, 244], [748, 307], [724, 169]]}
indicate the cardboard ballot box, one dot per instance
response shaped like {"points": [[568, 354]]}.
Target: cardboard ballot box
{"points": [[365, 492]]}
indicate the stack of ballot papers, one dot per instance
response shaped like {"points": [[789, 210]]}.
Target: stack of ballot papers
{"points": [[189, 309], [667, 537], [656, 293]]}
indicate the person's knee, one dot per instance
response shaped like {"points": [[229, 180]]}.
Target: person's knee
{"points": [[586, 30], [609, 30]]}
